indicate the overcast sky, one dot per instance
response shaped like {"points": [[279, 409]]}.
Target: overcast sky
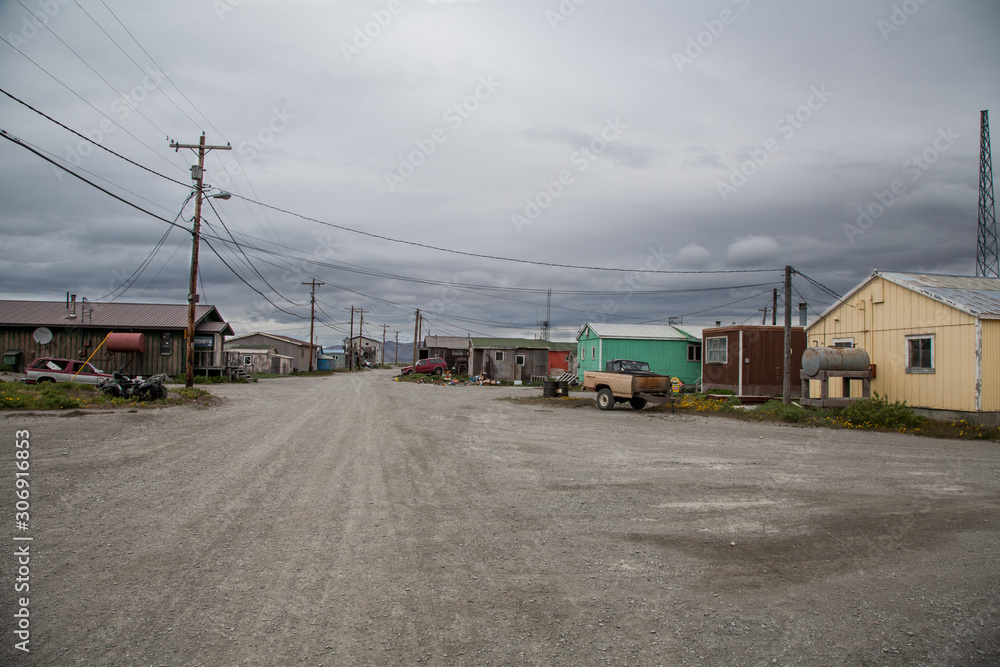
{"points": [[835, 137]]}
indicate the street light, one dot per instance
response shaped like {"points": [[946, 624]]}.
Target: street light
{"points": [[193, 285]]}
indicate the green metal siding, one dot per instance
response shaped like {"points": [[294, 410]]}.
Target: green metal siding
{"points": [[668, 357]]}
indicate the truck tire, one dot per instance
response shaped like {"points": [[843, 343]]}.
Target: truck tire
{"points": [[605, 399], [637, 403]]}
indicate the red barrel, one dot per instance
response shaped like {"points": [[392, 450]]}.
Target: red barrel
{"points": [[126, 342]]}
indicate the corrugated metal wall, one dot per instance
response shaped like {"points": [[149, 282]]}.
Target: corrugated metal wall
{"points": [[668, 357], [879, 317]]}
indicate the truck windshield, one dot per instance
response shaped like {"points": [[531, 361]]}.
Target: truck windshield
{"points": [[635, 366]]}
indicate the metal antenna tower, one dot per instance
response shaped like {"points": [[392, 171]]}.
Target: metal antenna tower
{"points": [[987, 264]]}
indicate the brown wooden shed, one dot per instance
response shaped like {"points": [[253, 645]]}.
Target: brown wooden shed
{"points": [[749, 359]]}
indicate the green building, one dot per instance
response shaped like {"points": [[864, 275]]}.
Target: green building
{"points": [[670, 350]]}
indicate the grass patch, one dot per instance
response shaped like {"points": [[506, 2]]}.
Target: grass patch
{"points": [[77, 397], [874, 414]]}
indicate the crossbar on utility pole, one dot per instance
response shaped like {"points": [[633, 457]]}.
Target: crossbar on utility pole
{"points": [[198, 175], [312, 318]]}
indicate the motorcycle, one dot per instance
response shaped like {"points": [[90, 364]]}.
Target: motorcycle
{"points": [[120, 385]]}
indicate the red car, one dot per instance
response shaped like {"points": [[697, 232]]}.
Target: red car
{"points": [[49, 369], [435, 365]]}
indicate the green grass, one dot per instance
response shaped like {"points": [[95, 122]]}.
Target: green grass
{"points": [[74, 396]]}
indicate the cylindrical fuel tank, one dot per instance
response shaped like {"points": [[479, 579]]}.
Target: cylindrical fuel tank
{"points": [[126, 342], [816, 359]]}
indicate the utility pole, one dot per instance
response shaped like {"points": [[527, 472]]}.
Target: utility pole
{"points": [[786, 388], [198, 175], [395, 356], [350, 343], [416, 337], [361, 330], [312, 319], [384, 327], [774, 307]]}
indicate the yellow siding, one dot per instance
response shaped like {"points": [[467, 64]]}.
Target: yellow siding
{"points": [[991, 365], [880, 315]]}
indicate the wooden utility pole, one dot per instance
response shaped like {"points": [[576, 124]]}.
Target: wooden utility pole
{"points": [[416, 337], [198, 175], [350, 343], [361, 330], [786, 389], [312, 318], [395, 356], [774, 307], [384, 327]]}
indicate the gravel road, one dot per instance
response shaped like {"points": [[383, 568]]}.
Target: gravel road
{"points": [[352, 520]]}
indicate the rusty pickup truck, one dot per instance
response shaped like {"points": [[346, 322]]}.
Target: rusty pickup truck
{"points": [[628, 381]]}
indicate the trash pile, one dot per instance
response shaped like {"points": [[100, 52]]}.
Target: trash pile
{"points": [[447, 380]]}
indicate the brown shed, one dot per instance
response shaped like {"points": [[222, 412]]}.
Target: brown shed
{"points": [[749, 360]]}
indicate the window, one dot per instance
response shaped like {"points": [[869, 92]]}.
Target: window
{"points": [[567, 357], [593, 353], [694, 352], [519, 359], [920, 354], [166, 343], [499, 356], [716, 350], [843, 342]]}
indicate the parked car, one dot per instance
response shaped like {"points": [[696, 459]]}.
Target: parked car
{"points": [[435, 365], [50, 369]]}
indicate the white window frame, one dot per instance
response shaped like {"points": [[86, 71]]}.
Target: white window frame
{"points": [[906, 353], [518, 359], [843, 342], [593, 353], [498, 356], [707, 352]]}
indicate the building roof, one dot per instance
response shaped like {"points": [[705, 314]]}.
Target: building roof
{"points": [[979, 297], [513, 343], [156, 316], [284, 339], [638, 331], [448, 342]]}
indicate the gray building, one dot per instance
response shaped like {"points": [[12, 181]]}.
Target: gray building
{"points": [[298, 350]]}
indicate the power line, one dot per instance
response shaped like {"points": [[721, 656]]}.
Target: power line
{"points": [[81, 59], [85, 101], [132, 60], [496, 257], [86, 138]]}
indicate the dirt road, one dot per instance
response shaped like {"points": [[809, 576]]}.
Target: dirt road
{"points": [[352, 520]]}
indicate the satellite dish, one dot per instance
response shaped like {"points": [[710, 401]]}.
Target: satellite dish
{"points": [[42, 336]]}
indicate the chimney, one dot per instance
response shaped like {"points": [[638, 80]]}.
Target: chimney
{"points": [[803, 314], [72, 303], [718, 323]]}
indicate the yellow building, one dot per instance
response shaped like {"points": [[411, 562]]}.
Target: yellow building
{"points": [[934, 340]]}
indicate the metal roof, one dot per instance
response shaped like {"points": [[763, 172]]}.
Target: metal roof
{"points": [[510, 343], [979, 297], [110, 315], [450, 342], [286, 339], [638, 331]]}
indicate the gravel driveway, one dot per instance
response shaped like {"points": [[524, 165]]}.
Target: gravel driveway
{"points": [[352, 520]]}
